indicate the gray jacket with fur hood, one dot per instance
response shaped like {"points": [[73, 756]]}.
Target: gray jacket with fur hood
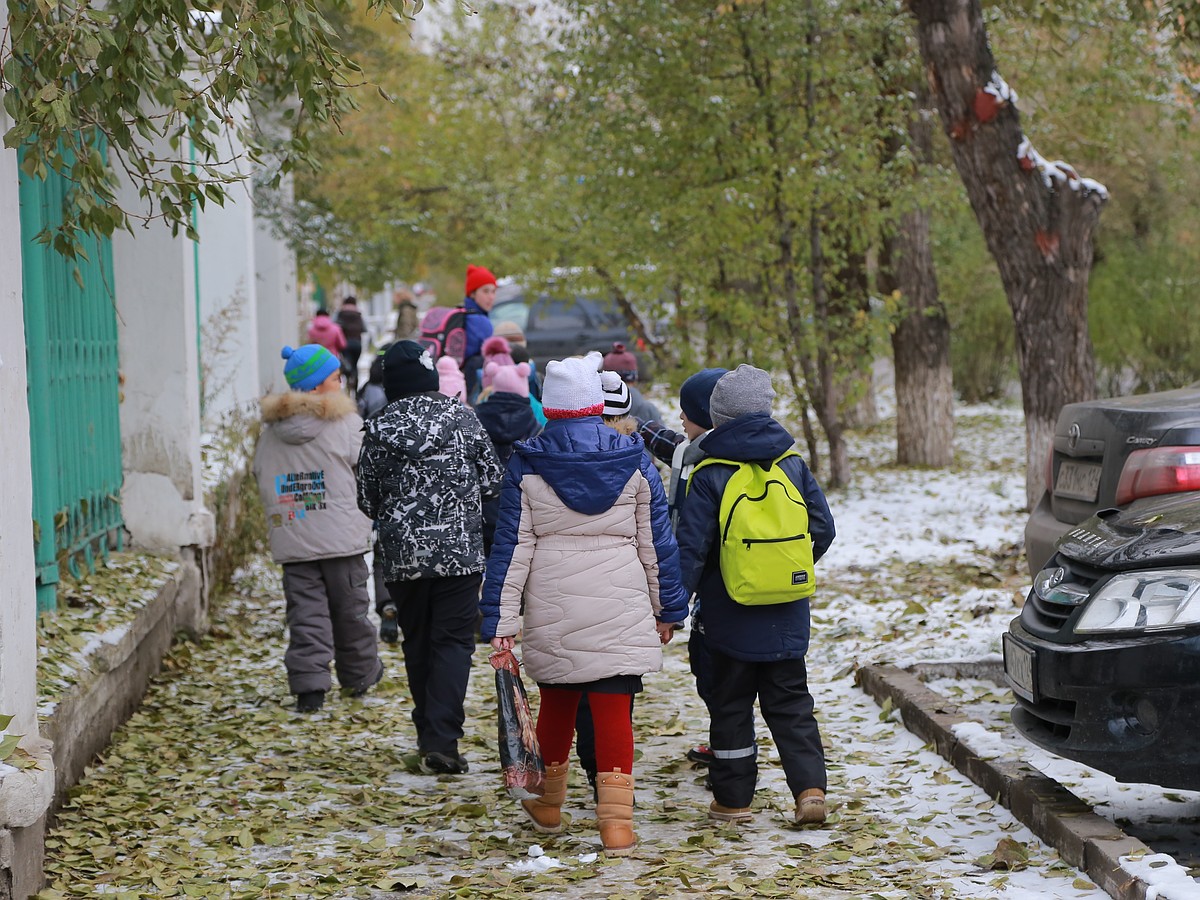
{"points": [[305, 469]]}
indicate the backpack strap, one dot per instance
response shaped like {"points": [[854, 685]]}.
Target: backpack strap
{"points": [[791, 451]]}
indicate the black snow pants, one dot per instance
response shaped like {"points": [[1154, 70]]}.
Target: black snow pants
{"points": [[437, 620], [782, 691]]}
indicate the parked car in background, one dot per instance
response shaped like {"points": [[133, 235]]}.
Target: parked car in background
{"points": [[1104, 660], [1113, 453], [557, 326]]}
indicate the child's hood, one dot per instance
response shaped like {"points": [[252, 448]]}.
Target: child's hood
{"points": [[748, 438], [298, 417], [585, 462], [507, 417], [419, 425]]}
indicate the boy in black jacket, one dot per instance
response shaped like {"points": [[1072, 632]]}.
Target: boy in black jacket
{"points": [[756, 651]]}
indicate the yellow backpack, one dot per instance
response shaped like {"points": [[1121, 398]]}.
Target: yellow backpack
{"points": [[766, 549]]}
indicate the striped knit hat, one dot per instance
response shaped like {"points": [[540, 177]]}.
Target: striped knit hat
{"points": [[572, 388], [308, 366], [617, 399]]}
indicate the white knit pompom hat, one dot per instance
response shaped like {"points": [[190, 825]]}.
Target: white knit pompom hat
{"points": [[572, 388]]}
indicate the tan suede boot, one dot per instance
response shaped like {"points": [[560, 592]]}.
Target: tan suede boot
{"points": [[810, 807], [546, 810], [614, 813]]}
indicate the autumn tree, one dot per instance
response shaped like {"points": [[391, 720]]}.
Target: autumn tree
{"points": [[92, 87]]}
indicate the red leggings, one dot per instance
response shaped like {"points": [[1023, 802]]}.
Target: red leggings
{"points": [[610, 716]]}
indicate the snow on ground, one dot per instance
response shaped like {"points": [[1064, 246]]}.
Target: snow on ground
{"points": [[238, 793]]}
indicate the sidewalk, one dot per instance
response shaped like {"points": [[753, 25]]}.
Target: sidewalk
{"points": [[216, 788]]}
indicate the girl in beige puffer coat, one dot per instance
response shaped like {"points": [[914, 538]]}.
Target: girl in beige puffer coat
{"points": [[583, 546]]}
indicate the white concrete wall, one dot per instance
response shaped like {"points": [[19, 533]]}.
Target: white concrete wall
{"points": [[18, 595], [281, 321], [154, 276], [229, 296]]}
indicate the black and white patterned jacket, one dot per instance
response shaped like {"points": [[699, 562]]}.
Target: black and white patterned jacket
{"points": [[425, 468]]}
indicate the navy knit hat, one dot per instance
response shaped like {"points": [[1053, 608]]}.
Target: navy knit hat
{"points": [[308, 366], [408, 369], [695, 394]]}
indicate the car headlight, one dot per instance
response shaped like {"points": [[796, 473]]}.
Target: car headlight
{"points": [[1154, 600]]}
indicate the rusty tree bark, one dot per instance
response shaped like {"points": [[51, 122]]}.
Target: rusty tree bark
{"points": [[1038, 218]]}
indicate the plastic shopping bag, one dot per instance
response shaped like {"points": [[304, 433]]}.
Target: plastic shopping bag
{"points": [[520, 756]]}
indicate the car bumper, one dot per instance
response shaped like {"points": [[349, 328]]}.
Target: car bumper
{"points": [[1125, 706], [1042, 532]]}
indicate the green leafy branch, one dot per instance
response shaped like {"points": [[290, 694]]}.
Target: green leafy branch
{"points": [[153, 90]]}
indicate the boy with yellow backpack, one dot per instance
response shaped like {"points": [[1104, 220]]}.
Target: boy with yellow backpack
{"points": [[754, 523]]}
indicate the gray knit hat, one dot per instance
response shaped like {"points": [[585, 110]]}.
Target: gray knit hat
{"points": [[743, 391]]}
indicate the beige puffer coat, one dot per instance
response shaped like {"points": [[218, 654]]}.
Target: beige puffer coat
{"points": [[589, 606]]}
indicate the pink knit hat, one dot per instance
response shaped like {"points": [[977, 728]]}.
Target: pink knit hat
{"points": [[495, 349], [572, 388], [508, 379], [450, 378]]}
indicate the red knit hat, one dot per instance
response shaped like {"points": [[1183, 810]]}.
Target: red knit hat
{"points": [[477, 277]]}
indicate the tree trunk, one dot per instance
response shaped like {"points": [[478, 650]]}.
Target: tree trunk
{"points": [[1038, 218], [921, 350], [921, 339]]}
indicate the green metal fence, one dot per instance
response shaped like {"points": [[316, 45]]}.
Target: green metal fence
{"points": [[74, 394]]}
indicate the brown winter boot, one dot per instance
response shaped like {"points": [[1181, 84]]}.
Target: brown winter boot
{"points": [[614, 813], [546, 810], [810, 807]]}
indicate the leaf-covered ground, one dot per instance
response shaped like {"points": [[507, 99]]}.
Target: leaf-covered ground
{"points": [[216, 788]]}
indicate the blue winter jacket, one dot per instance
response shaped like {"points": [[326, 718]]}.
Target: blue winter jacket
{"points": [[587, 465], [754, 633], [478, 327]]}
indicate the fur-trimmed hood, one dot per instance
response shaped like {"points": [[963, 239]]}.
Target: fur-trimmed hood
{"points": [[298, 416]]}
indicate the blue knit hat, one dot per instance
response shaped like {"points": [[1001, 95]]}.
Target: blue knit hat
{"points": [[696, 393], [308, 366]]}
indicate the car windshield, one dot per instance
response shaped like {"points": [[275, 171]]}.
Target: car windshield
{"points": [[513, 311]]}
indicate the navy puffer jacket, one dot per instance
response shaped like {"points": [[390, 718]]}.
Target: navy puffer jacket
{"points": [[754, 633]]}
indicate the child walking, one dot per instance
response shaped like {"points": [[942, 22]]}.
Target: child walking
{"points": [[585, 560], [756, 651], [682, 452], [304, 465], [425, 469]]}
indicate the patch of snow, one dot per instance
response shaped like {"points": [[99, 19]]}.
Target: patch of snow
{"points": [[1167, 879], [999, 89], [536, 862], [1058, 172]]}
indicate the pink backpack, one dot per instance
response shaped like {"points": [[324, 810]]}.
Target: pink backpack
{"points": [[444, 332]]}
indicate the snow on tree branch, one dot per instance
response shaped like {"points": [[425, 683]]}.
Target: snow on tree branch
{"points": [[1057, 173]]}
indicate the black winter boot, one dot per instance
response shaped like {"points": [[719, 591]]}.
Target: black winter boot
{"points": [[310, 701]]}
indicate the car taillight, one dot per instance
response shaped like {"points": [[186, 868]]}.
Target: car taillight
{"points": [[1161, 470]]}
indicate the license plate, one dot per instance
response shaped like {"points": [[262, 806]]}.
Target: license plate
{"points": [[1079, 481], [1018, 666]]}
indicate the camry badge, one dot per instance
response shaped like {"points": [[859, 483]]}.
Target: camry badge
{"points": [[1073, 436]]}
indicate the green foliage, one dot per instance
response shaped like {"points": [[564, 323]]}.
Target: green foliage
{"points": [[8, 742], [147, 88], [982, 354]]}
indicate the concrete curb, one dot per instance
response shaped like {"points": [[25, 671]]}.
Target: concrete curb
{"points": [[1082, 838]]}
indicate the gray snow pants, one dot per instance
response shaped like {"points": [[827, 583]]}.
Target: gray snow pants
{"points": [[327, 604]]}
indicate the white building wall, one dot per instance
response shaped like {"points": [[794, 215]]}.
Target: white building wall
{"points": [[155, 283], [229, 296], [280, 318], [18, 595]]}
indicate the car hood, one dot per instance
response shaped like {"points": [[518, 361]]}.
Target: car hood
{"points": [[1155, 532]]}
